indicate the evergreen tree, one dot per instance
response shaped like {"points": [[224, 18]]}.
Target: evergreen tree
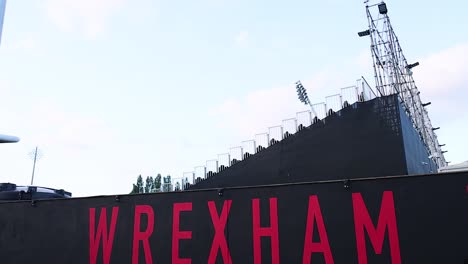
{"points": [[157, 183], [149, 184], [134, 189], [167, 187], [140, 185]]}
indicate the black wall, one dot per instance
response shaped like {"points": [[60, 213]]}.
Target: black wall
{"points": [[430, 214], [416, 154], [363, 140]]}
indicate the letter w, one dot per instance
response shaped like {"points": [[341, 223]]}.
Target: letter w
{"points": [[95, 237]]}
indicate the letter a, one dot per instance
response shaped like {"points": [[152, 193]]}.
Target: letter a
{"points": [[314, 214]]}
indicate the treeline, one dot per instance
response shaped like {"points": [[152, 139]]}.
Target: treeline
{"points": [[150, 185]]}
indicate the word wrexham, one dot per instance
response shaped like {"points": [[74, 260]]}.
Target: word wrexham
{"points": [[103, 222]]}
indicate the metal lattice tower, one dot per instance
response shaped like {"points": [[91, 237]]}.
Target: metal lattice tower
{"points": [[393, 75]]}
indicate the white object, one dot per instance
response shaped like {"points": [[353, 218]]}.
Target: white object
{"points": [[455, 167]]}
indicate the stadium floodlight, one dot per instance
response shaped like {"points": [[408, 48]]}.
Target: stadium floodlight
{"points": [[383, 8], [410, 66], [303, 97], [302, 93], [364, 33], [426, 104]]}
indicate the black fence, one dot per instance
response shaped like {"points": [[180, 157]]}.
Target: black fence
{"points": [[417, 219]]}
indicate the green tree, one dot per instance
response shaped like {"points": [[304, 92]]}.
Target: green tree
{"points": [[134, 189], [139, 184], [149, 184], [167, 187], [157, 183]]}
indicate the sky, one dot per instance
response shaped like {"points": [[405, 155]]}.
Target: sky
{"points": [[111, 89]]}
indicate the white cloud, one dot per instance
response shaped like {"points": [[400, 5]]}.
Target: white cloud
{"points": [[443, 72], [443, 80], [242, 38], [45, 122], [89, 17]]}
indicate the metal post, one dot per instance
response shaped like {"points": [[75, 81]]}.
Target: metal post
{"points": [[34, 166]]}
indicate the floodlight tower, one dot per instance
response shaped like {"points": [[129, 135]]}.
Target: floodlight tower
{"points": [[303, 97], [393, 75]]}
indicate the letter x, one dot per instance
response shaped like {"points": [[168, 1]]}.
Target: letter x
{"points": [[219, 240]]}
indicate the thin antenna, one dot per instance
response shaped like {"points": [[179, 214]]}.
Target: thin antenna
{"points": [[35, 154]]}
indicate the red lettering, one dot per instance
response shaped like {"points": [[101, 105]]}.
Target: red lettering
{"points": [[314, 214], [177, 234], [95, 237], [219, 240], [387, 220], [142, 235], [271, 231]]}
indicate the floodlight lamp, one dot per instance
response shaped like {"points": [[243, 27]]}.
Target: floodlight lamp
{"points": [[383, 8], [410, 66], [364, 33], [426, 104]]}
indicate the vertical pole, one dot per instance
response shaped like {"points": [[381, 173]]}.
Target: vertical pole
{"points": [[34, 166]]}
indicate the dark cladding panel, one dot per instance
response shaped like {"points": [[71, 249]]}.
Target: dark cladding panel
{"points": [[417, 156], [424, 219]]}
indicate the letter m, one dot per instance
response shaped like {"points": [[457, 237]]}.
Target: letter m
{"points": [[102, 233], [386, 221]]}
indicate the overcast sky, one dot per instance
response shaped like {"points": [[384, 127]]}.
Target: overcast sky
{"points": [[110, 89]]}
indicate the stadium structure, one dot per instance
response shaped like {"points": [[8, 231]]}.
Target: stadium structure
{"points": [[359, 132], [360, 178]]}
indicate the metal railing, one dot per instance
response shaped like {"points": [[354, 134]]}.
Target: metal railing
{"points": [[348, 96]]}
